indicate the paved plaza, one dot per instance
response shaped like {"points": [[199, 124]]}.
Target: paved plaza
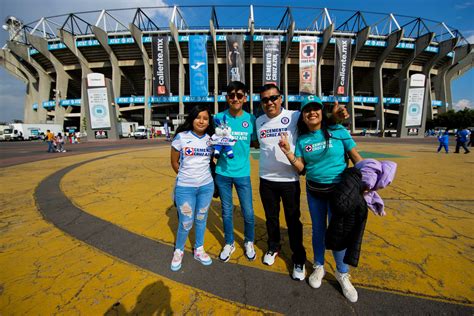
{"points": [[91, 232]]}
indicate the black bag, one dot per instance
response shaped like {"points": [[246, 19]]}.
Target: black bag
{"points": [[320, 190]]}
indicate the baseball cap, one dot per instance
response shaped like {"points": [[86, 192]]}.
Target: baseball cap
{"points": [[309, 99]]}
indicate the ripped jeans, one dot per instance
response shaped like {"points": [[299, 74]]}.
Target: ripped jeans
{"points": [[193, 205]]}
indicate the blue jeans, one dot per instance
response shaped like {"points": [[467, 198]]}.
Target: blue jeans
{"points": [[320, 210], [193, 205], [243, 186], [50, 146]]}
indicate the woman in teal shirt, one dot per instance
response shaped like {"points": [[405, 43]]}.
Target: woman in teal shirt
{"points": [[321, 149]]}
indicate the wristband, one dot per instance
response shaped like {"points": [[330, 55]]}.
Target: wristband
{"points": [[287, 152], [293, 160]]}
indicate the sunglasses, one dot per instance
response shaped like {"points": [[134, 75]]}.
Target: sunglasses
{"points": [[272, 98], [238, 95]]}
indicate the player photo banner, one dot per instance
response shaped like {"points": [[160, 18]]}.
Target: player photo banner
{"points": [[198, 75], [161, 66], [342, 60], [271, 60], [308, 63], [235, 58]]}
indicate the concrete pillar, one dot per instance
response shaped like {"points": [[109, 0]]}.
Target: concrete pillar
{"points": [[392, 42], [44, 82], [137, 36], [182, 71], [289, 40], [250, 84], [463, 61], [362, 36], [216, 65], [18, 70], [327, 34], [444, 48], [421, 44], [62, 78]]}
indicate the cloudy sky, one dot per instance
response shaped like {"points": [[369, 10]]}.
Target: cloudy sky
{"points": [[457, 14]]}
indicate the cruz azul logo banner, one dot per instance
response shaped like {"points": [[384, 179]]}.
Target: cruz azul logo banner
{"points": [[308, 63], [271, 60], [161, 65], [235, 58], [198, 75], [342, 61]]}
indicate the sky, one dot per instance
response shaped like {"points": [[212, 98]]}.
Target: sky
{"points": [[458, 14]]}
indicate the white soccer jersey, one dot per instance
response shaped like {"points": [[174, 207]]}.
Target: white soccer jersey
{"points": [[274, 165], [195, 155]]}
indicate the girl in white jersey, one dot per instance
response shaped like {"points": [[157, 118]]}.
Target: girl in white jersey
{"points": [[190, 158]]}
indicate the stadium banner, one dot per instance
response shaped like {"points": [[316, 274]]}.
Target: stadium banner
{"points": [[271, 60], [308, 63], [198, 75], [98, 108], [161, 65], [414, 107], [342, 60], [235, 58]]}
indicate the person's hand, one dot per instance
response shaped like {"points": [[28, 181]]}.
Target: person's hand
{"points": [[283, 143], [340, 112]]}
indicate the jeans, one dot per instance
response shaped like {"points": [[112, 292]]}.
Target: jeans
{"points": [[50, 146], [319, 210], [271, 193], [445, 146], [243, 186], [193, 205], [461, 144]]}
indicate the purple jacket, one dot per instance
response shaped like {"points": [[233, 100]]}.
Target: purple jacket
{"points": [[376, 175]]}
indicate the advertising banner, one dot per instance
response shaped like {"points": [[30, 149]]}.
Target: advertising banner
{"points": [[342, 60], [271, 60], [161, 65], [414, 106], [308, 63], [198, 74], [235, 58], [99, 108]]}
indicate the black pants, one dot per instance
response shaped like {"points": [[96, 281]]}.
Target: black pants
{"points": [[289, 192], [461, 144]]}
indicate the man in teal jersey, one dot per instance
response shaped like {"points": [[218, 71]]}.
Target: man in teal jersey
{"points": [[236, 171]]}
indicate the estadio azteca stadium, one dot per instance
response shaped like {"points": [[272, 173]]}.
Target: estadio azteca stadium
{"points": [[150, 65]]}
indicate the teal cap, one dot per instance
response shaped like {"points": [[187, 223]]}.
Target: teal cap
{"points": [[309, 99]]}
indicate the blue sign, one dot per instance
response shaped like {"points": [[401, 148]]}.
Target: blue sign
{"points": [[91, 42], [35, 106], [49, 104], [436, 103], [198, 75], [70, 102]]}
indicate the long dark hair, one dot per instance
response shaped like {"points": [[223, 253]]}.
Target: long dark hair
{"points": [[188, 123], [303, 128]]}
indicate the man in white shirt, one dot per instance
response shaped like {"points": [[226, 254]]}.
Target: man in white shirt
{"points": [[278, 179]]}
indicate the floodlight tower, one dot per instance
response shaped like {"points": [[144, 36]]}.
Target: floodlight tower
{"points": [[13, 26]]}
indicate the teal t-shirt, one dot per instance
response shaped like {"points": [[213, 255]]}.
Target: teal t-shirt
{"points": [[325, 166], [243, 129]]}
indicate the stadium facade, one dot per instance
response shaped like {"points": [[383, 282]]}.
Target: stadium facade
{"points": [[379, 58]]}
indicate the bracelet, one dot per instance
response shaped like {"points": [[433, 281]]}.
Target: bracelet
{"points": [[293, 160], [287, 152]]}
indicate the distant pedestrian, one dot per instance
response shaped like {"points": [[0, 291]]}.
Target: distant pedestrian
{"points": [[60, 143], [443, 139], [462, 136], [50, 140], [471, 143]]}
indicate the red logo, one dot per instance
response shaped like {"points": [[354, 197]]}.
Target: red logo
{"points": [[340, 90], [308, 148], [188, 151], [161, 89]]}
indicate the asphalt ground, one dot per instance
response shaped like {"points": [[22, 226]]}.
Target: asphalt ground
{"points": [[91, 231]]}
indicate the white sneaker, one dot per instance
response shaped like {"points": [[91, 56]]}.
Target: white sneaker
{"points": [[226, 252], [317, 276], [348, 289], [269, 257], [177, 258], [299, 272], [250, 251], [201, 256]]}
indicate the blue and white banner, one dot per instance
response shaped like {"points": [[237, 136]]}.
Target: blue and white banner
{"points": [[198, 75], [308, 64]]}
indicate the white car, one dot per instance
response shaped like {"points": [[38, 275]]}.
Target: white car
{"points": [[141, 132]]}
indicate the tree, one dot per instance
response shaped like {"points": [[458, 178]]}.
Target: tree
{"points": [[452, 120]]}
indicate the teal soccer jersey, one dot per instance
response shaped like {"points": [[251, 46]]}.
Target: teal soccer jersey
{"points": [[324, 166], [243, 129]]}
